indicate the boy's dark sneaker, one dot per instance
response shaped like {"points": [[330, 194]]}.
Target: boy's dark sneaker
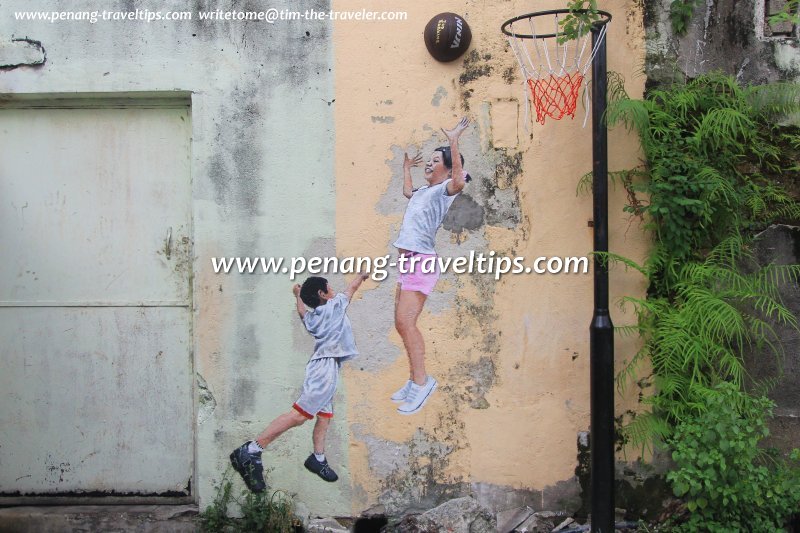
{"points": [[322, 469], [249, 467]]}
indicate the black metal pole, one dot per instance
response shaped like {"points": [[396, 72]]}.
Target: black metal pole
{"points": [[601, 338]]}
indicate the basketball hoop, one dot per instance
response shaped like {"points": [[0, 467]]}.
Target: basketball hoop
{"points": [[554, 71]]}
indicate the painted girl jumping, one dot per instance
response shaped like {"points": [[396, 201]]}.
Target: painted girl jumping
{"points": [[419, 271]]}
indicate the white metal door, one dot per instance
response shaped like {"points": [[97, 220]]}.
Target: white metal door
{"points": [[96, 388]]}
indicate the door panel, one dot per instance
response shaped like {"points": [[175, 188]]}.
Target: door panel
{"points": [[95, 399], [96, 389], [90, 197]]}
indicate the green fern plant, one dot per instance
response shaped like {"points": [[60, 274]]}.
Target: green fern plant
{"points": [[694, 336], [680, 14], [714, 152], [710, 146]]}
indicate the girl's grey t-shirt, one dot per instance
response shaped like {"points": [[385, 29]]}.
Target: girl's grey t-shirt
{"points": [[331, 329], [425, 212]]}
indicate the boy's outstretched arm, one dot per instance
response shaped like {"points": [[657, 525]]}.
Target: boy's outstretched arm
{"points": [[301, 307], [354, 285]]}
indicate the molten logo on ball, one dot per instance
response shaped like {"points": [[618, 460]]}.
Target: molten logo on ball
{"points": [[447, 36]]}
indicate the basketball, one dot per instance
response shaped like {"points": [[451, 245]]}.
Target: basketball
{"points": [[447, 37]]}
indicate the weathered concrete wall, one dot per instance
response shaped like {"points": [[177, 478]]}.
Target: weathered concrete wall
{"points": [[723, 35], [262, 182], [299, 129], [511, 356]]}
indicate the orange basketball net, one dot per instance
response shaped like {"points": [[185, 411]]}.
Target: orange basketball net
{"points": [[555, 96], [554, 71]]}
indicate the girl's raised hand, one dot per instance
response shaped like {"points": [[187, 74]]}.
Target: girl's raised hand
{"points": [[455, 133], [415, 162]]}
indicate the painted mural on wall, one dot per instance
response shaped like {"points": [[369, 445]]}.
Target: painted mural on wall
{"points": [[324, 146]]}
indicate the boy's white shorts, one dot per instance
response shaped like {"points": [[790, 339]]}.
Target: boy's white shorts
{"points": [[319, 386]]}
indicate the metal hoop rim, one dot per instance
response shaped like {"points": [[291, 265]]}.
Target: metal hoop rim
{"points": [[509, 22]]}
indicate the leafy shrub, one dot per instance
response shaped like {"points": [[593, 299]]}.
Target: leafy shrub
{"points": [[728, 483]]}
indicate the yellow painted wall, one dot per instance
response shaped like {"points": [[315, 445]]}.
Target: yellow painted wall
{"points": [[511, 356]]}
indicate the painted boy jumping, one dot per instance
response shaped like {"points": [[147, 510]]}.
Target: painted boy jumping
{"points": [[326, 320]]}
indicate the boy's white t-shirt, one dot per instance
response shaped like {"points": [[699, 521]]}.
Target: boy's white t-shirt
{"points": [[425, 212], [331, 329]]}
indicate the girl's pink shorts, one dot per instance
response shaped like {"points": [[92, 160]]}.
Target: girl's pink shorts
{"points": [[419, 272]]}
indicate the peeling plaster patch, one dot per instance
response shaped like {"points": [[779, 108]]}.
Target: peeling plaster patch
{"points": [[450, 244], [21, 52], [501, 498], [440, 301], [492, 191], [372, 317], [411, 474], [502, 209], [477, 377], [384, 457], [502, 197], [509, 167], [464, 214], [206, 400], [419, 486], [382, 119], [476, 65], [440, 94]]}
